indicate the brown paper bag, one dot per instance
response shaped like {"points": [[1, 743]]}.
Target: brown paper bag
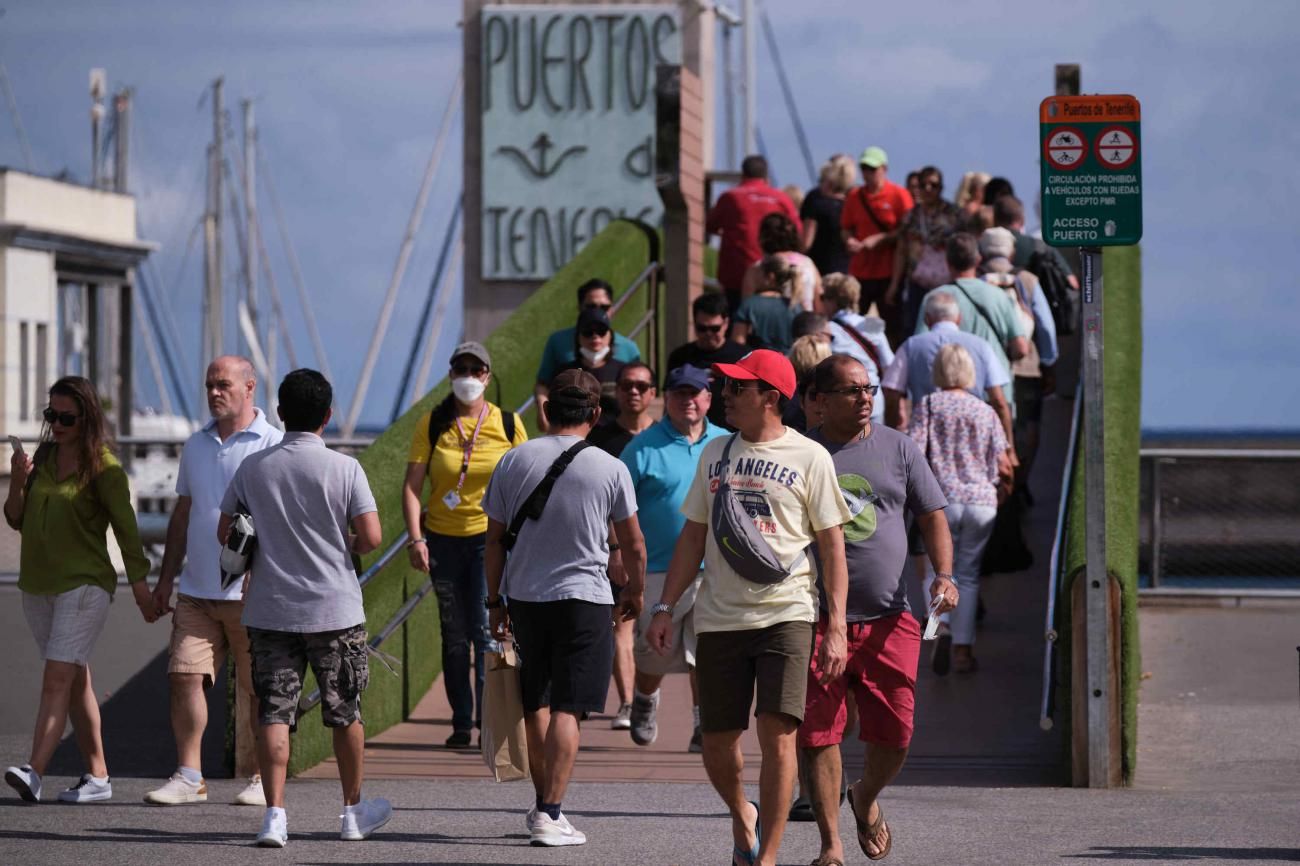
{"points": [[504, 743]]}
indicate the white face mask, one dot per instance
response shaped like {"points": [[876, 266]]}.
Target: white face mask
{"points": [[469, 389], [594, 357]]}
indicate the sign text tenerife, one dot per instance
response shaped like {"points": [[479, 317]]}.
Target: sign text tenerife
{"points": [[1091, 170], [568, 102]]}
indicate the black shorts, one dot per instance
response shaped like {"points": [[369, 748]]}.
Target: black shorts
{"points": [[566, 653]]}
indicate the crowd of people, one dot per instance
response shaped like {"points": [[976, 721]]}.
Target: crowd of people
{"points": [[757, 533]]}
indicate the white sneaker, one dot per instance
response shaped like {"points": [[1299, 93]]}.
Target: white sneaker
{"points": [[26, 781], [88, 790], [252, 795], [365, 818], [553, 833], [530, 819], [622, 720], [275, 830], [178, 790]]}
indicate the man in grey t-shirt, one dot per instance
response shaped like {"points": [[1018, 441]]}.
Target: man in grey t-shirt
{"points": [[881, 474], [561, 608], [311, 509]]}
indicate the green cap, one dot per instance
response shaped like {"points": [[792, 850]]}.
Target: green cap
{"points": [[873, 157]]}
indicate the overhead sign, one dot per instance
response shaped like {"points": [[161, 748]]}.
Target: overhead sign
{"points": [[1091, 170], [568, 127]]}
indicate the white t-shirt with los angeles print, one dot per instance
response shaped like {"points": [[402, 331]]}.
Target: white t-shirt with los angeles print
{"points": [[788, 487]]}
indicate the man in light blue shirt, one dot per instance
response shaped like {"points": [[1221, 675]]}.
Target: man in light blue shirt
{"points": [[662, 461], [909, 376]]}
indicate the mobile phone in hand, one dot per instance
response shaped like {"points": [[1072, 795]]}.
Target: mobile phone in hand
{"points": [[16, 444]]}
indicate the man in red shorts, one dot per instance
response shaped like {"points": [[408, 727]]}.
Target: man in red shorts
{"points": [[881, 473]]}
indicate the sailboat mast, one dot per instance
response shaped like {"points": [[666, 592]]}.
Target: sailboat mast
{"points": [[214, 306]]}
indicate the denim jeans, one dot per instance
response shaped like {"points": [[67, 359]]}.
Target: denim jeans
{"points": [[971, 527], [461, 586]]}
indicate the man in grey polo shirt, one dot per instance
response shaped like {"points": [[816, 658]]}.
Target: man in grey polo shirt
{"points": [[312, 509], [206, 621]]}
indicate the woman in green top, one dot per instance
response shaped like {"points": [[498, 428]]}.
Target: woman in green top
{"points": [[63, 503]]}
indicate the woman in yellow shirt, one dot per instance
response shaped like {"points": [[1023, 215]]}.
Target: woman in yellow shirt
{"points": [[456, 446]]}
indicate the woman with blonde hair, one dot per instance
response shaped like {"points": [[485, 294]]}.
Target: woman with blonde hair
{"points": [[963, 440], [820, 212], [63, 500]]}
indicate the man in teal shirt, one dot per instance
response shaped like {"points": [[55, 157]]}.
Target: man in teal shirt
{"points": [[986, 311], [662, 460]]}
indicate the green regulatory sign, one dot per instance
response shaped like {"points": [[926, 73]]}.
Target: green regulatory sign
{"points": [[1090, 149]]}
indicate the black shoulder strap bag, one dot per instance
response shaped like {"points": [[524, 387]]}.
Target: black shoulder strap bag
{"points": [[536, 501]]}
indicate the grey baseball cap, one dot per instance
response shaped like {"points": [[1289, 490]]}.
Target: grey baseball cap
{"points": [[474, 350]]}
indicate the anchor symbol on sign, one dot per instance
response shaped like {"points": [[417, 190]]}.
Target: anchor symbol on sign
{"points": [[541, 144]]}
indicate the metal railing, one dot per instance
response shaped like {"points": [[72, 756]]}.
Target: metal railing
{"points": [[1221, 520], [648, 277], [1055, 566]]}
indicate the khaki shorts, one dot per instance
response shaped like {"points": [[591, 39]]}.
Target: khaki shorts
{"points": [[681, 655], [203, 631], [731, 664], [66, 625]]}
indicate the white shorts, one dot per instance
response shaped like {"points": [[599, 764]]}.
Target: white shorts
{"points": [[681, 655], [67, 625]]}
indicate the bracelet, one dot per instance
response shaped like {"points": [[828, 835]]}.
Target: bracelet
{"points": [[614, 547], [415, 541]]}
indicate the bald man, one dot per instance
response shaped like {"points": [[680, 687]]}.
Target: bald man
{"points": [[206, 620]]}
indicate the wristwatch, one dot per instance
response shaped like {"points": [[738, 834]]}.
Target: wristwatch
{"points": [[493, 602], [943, 574], [661, 607]]}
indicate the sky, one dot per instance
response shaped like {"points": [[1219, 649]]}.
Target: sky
{"points": [[349, 97]]}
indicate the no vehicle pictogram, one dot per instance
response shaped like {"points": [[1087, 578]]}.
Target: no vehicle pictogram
{"points": [[1115, 147], [1065, 148]]}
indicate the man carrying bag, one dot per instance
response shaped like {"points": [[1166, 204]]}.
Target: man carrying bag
{"points": [[561, 606]]}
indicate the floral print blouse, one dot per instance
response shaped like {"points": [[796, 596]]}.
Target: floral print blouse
{"points": [[962, 437]]}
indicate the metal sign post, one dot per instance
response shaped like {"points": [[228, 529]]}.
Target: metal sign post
{"points": [[1092, 198], [1101, 651]]}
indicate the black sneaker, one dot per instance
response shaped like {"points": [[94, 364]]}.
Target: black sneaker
{"points": [[697, 742], [458, 740]]}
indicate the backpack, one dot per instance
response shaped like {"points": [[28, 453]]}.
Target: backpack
{"points": [[1056, 288]]}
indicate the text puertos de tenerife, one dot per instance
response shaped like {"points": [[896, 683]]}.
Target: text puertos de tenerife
{"points": [[568, 128]]}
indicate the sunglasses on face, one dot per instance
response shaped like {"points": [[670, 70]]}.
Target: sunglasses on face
{"points": [[461, 370], [855, 391], [708, 329], [604, 308], [639, 387], [64, 419], [738, 386], [594, 331], [931, 184]]}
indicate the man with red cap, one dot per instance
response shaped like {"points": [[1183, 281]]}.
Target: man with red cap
{"points": [[764, 494]]}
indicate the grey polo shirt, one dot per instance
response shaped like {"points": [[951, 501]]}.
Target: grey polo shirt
{"points": [[303, 498]]}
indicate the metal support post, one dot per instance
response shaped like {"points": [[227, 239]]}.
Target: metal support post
{"points": [[748, 53], [1157, 522], [1101, 651]]}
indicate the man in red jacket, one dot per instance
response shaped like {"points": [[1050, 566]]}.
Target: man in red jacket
{"points": [[735, 219]]}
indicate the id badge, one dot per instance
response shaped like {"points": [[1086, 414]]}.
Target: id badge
{"points": [[451, 500]]}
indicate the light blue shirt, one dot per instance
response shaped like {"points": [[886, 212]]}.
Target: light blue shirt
{"points": [[1044, 327], [842, 343], [559, 351], [207, 465], [910, 371], [662, 463]]}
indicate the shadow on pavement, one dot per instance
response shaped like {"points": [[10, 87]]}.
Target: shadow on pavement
{"points": [[1174, 853], [136, 724]]}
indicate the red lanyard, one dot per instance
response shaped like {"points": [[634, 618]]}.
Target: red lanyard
{"points": [[469, 446]]}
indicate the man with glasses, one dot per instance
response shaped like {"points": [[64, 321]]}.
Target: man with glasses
{"points": [[758, 636], [662, 461], [881, 474], [594, 294], [206, 619], [710, 346]]}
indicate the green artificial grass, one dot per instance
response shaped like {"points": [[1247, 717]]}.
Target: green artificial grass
{"points": [[618, 254], [1122, 375]]}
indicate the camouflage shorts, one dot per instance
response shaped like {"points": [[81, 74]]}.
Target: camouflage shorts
{"points": [[280, 659]]}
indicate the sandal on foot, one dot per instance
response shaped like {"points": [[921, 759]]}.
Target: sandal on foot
{"points": [[870, 831], [826, 861], [750, 856]]}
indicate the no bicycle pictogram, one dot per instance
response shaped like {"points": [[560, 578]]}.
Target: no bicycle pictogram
{"points": [[1065, 148], [1115, 147]]}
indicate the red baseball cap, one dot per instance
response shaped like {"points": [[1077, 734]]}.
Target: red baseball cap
{"points": [[763, 365]]}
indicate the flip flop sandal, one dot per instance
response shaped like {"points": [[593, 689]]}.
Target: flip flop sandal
{"points": [[826, 861], [871, 831], [748, 857]]}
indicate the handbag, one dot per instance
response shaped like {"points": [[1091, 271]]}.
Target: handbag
{"points": [[502, 739], [741, 544]]}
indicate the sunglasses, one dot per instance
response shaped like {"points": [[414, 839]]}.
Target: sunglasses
{"points": [[594, 331], [738, 386], [64, 419], [639, 387], [855, 390], [604, 308], [461, 370], [708, 329], [932, 184]]}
